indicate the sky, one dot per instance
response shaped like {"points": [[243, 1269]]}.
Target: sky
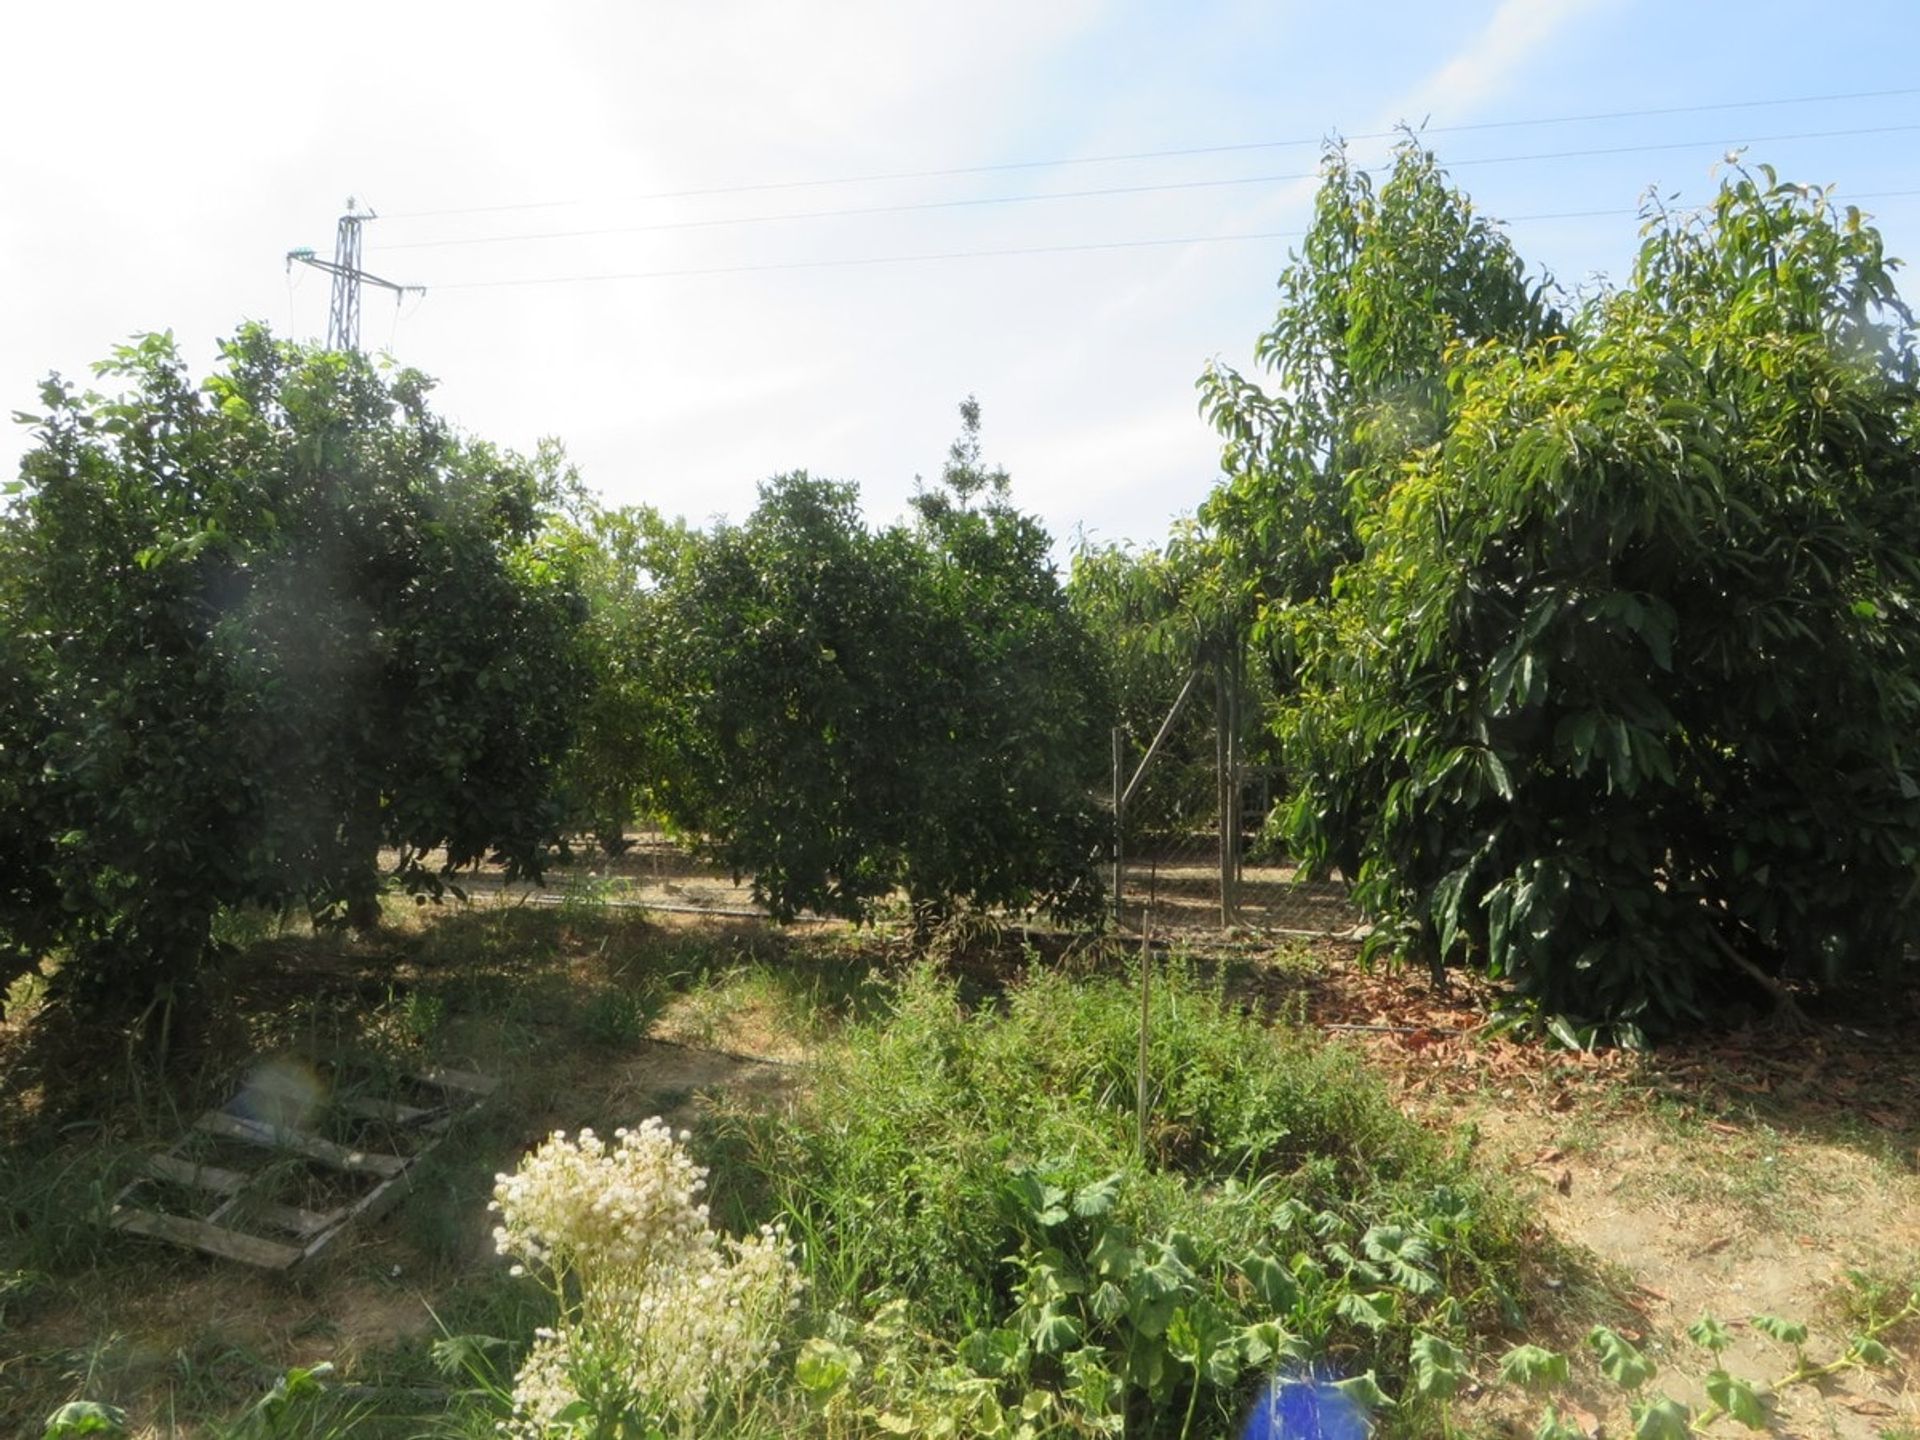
{"points": [[833, 222]]}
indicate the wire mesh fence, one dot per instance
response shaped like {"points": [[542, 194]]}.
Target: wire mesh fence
{"points": [[1176, 885], [1189, 809]]}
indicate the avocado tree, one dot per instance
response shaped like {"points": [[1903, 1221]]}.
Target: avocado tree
{"points": [[1618, 695], [1386, 287], [263, 628]]}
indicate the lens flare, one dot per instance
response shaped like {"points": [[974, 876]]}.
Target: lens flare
{"points": [[1304, 1407], [283, 1093]]}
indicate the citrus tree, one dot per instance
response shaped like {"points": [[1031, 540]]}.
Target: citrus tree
{"points": [[261, 629], [859, 711]]}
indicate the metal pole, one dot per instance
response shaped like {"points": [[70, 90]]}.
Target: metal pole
{"points": [[1146, 1020], [1119, 818], [1221, 788], [1160, 735]]}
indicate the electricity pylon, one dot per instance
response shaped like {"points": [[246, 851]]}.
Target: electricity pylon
{"points": [[343, 317]]}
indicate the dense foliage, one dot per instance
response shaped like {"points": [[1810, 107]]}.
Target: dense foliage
{"points": [[1616, 693], [972, 1177], [617, 763], [1386, 288], [855, 712], [256, 630]]}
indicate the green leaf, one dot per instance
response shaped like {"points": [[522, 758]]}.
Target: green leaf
{"points": [[1562, 1030], [1197, 1332], [1267, 1340], [1108, 1302], [1363, 1391], [992, 1353], [1552, 1427], [824, 1368], [1358, 1309], [1619, 1361], [85, 1417], [1055, 1331], [1869, 1351], [1709, 1334], [1738, 1398], [1271, 1282], [1036, 1199], [1533, 1367], [1094, 1200], [1661, 1419], [1439, 1368], [1787, 1332]]}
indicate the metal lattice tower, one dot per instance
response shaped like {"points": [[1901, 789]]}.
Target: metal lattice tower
{"points": [[343, 315]]}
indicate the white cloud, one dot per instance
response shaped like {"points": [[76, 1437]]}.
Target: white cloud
{"points": [[1513, 38]]}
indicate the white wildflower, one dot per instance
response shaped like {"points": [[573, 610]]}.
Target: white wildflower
{"points": [[657, 1310]]}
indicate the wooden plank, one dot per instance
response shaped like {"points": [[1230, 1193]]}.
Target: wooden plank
{"points": [[233, 1184], [369, 1109], [197, 1177], [369, 1207], [355, 1162], [466, 1080], [198, 1235]]}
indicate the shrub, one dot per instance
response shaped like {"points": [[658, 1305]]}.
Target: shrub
{"points": [[857, 712]]}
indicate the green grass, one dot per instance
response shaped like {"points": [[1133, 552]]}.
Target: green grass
{"points": [[899, 1174], [930, 1101]]}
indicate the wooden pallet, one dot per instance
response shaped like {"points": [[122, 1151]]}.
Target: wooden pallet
{"points": [[300, 1234]]}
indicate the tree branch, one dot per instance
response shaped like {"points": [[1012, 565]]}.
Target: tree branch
{"points": [[1788, 1008]]}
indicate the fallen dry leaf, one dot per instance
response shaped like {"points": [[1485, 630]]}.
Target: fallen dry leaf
{"points": [[1867, 1405]]}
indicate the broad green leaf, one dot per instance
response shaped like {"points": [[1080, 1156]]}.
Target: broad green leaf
{"points": [[1533, 1367], [1439, 1368], [1709, 1334], [1869, 1351], [1362, 1310], [1619, 1361], [992, 1352], [1364, 1391], [1055, 1330], [1096, 1199], [1271, 1282], [85, 1417], [823, 1368], [1738, 1398], [1661, 1419], [1787, 1332], [1108, 1301]]}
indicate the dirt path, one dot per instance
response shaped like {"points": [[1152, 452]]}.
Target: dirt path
{"points": [[1744, 1176]]}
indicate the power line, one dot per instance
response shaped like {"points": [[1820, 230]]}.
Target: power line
{"points": [[1112, 190], [854, 261], [1172, 154], [343, 314]]}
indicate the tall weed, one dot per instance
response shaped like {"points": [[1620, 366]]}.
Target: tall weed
{"points": [[978, 1167]]}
